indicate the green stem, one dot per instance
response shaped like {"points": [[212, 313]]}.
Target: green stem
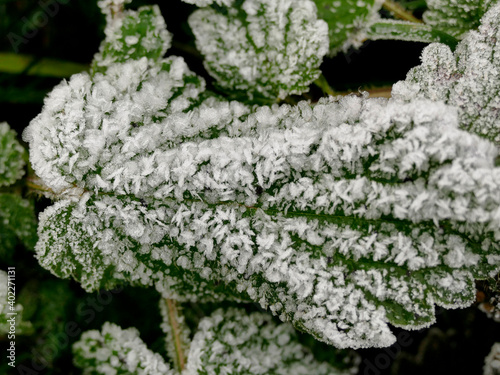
{"points": [[409, 31], [180, 359], [19, 64], [323, 84], [400, 12]]}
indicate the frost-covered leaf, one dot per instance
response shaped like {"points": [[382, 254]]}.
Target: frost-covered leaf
{"points": [[262, 48], [132, 35], [339, 218], [347, 21], [12, 156], [456, 17], [468, 78], [17, 223], [114, 350], [10, 309], [492, 361], [233, 342]]}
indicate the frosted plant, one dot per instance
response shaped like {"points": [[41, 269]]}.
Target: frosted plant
{"points": [[17, 218], [227, 342], [341, 218], [117, 351], [492, 361], [456, 16], [468, 78], [262, 48]]}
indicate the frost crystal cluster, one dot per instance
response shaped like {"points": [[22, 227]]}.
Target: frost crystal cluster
{"points": [[339, 217], [227, 342], [468, 78]]}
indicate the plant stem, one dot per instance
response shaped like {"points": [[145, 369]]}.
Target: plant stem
{"points": [[180, 359], [400, 12], [323, 84], [25, 64], [409, 31]]}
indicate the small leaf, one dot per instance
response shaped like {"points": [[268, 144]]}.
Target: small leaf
{"points": [[263, 48], [133, 35], [118, 351], [234, 342]]}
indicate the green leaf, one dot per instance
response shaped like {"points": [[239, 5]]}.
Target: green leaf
{"points": [[234, 342], [12, 156], [264, 49], [369, 199], [132, 35], [456, 17], [347, 21], [468, 78]]}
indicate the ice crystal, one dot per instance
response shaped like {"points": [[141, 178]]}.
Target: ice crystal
{"points": [[468, 78], [264, 48]]}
